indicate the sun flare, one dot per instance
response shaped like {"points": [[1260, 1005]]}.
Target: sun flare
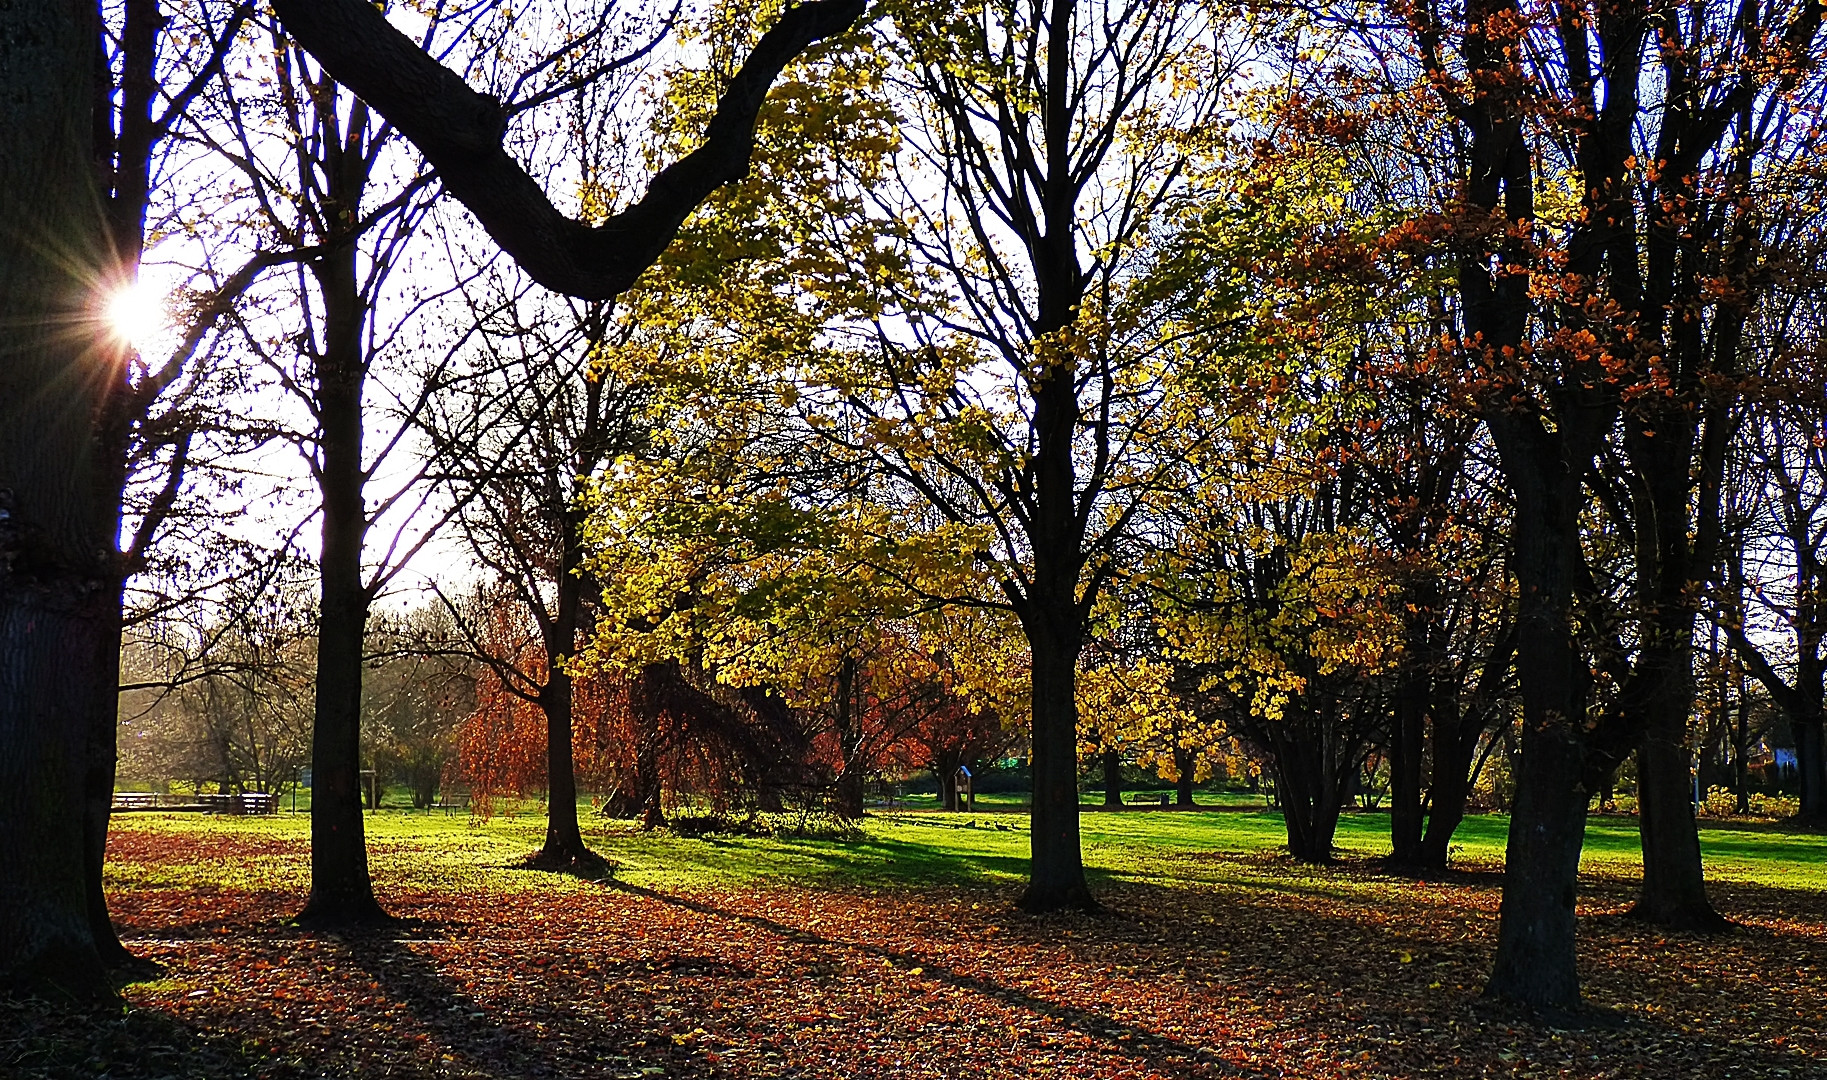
{"points": [[136, 314]]}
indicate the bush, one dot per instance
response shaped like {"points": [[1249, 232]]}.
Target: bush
{"points": [[1722, 802], [808, 824]]}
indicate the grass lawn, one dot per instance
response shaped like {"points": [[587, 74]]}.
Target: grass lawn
{"points": [[897, 952]]}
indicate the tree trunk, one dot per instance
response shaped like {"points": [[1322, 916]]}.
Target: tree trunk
{"points": [[1674, 885], [341, 892], [1536, 962], [945, 768], [1661, 436], [1056, 875], [1406, 736], [1448, 788], [53, 576], [98, 779], [848, 787], [1113, 780], [564, 843], [848, 796], [1183, 784], [1811, 764], [1310, 800], [1741, 752]]}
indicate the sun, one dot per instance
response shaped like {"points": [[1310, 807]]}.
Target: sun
{"points": [[135, 314]]}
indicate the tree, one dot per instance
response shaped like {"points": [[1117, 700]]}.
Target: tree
{"points": [[317, 168], [54, 574], [1777, 581], [48, 465], [1581, 311], [527, 433], [983, 357]]}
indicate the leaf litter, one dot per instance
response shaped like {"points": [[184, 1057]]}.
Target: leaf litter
{"points": [[1265, 969]]}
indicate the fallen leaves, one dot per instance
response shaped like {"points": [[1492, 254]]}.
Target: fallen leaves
{"points": [[1271, 970]]}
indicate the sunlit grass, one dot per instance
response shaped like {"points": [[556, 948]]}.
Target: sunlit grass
{"points": [[416, 850]]}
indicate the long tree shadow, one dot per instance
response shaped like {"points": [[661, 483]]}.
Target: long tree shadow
{"points": [[1423, 973], [50, 1040], [1363, 985], [562, 1042], [1158, 1051]]}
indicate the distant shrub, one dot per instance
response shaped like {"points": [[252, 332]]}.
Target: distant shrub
{"points": [[808, 824], [1722, 802]]}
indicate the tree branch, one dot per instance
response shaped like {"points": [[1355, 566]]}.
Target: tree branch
{"points": [[459, 131]]}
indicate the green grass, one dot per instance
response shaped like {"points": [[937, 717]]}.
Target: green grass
{"points": [[435, 851]]}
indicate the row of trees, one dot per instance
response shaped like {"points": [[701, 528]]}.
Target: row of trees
{"points": [[1163, 378], [98, 100]]}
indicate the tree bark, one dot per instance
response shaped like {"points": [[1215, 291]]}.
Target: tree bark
{"points": [[1307, 781], [1056, 875], [341, 891], [1183, 784], [564, 844], [848, 786], [946, 769], [459, 131], [1449, 786], [53, 571], [1536, 962], [1408, 731], [1673, 893], [99, 772], [1811, 763], [1113, 780]]}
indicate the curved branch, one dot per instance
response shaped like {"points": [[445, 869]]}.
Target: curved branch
{"points": [[459, 131]]}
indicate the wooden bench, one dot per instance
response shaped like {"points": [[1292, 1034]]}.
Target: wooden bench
{"points": [[451, 803], [247, 802]]}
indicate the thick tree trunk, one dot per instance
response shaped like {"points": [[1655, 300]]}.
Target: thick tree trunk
{"points": [[99, 773], [946, 770], [1674, 885], [1183, 784], [1406, 744], [1056, 876], [341, 891], [1536, 962], [1811, 764], [1449, 787], [53, 574], [1113, 780], [848, 795], [1310, 801]]}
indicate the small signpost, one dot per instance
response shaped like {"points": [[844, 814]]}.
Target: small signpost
{"points": [[964, 787]]}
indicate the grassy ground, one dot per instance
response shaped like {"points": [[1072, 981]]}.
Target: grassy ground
{"points": [[896, 952]]}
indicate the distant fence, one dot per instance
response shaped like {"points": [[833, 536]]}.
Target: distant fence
{"points": [[248, 802]]}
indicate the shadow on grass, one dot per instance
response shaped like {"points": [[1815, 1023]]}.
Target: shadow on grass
{"points": [[45, 1040], [1151, 1048], [872, 861], [461, 1025]]}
